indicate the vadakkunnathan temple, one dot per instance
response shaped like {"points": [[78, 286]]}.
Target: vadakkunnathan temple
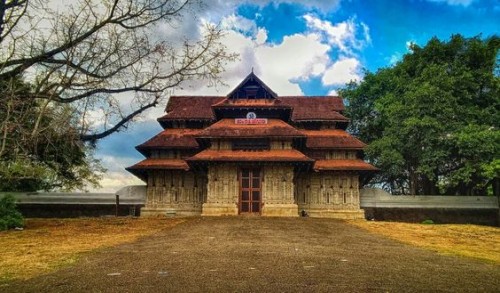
{"points": [[253, 152]]}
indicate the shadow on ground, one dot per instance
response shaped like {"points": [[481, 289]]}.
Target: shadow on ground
{"points": [[253, 254]]}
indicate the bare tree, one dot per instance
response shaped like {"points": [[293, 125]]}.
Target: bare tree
{"points": [[103, 57], [76, 73]]}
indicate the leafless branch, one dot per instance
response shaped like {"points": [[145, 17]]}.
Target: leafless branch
{"points": [[102, 56]]}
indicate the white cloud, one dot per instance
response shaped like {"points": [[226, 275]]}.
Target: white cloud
{"points": [[216, 9], [342, 71], [409, 43], [463, 3], [326, 6], [333, 93], [297, 57], [261, 36], [281, 65], [366, 33], [398, 55], [347, 36], [240, 24], [116, 177], [395, 58], [114, 181], [318, 68]]}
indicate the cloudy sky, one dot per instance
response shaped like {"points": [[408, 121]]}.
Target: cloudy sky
{"points": [[306, 48]]}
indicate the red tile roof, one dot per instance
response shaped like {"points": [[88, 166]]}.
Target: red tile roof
{"points": [[190, 108], [332, 139], [228, 128], [166, 164], [264, 103], [339, 165], [251, 156], [315, 108], [172, 138]]}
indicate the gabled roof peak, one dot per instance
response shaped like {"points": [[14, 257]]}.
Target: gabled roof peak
{"points": [[252, 88]]}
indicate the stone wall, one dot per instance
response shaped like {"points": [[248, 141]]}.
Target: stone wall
{"points": [[382, 206], [222, 190], [70, 205], [379, 198], [277, 192], [340, 155], [377, 204], [329, 194], [172, 192]]}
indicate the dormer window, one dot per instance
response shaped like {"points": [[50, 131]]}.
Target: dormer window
{"points": [[252, 88], [251, 91]]}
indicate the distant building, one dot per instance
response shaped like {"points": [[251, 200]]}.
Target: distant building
{"points": [[253, 152]]}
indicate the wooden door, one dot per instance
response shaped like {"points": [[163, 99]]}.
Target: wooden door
{"points": [[250, 190]]}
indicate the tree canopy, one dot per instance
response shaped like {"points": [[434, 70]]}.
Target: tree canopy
{"points": [[54, 157], [73, 74], [432, 119]]}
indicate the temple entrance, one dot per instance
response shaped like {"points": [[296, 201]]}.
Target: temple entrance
{"points": [[250, 191]]}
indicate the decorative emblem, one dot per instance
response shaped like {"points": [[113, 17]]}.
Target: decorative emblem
{"points": [[251, 118]]}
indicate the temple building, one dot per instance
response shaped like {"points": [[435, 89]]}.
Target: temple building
{"points": [[253, 152]]}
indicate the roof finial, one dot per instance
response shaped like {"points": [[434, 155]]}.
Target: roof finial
{"points": [[252, 69]]}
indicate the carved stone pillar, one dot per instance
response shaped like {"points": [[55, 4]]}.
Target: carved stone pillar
{"points": [[222, 184], [277, 193]]}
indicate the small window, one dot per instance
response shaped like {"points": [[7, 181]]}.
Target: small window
{"points": [[312, 126], [251, 94], [251, 144]]}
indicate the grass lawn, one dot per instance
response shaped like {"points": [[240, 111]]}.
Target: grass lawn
{"points": [[480, 242], [47, 244]]}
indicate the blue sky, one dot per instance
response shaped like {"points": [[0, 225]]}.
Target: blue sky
{"points": [[307, 48]]}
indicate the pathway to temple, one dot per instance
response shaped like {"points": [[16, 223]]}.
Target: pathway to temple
{"points": [[243, 254]]}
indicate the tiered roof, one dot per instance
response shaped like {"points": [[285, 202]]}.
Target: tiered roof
{"points": [[343, 165], [172, 138], [316, 108], [250, 156], [251, 95], [190, 108], [227, 128], [140, 169], [303, 108], [332, 139]]}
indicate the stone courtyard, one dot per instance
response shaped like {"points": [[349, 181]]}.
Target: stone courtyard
{"points": [[258, 254]]}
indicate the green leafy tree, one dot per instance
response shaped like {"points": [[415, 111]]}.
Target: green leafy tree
{"points": [[432, 119], [10, 217], [53, 156]]}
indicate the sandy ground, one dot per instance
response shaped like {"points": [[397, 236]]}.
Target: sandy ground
{"points": [[254, 254]]}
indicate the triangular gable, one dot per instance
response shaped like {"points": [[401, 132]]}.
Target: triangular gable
{"points": [[252, 88]]}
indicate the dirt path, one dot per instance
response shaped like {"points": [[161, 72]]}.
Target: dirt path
{"points": [[255, 254]]}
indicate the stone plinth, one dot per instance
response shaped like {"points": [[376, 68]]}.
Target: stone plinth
{"points": [[179, 210], [280, 210], [335, 214], [219, 209]]}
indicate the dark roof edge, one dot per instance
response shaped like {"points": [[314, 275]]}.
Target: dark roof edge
{"points": [[275, 95]]}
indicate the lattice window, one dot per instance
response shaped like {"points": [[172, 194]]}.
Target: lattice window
{"points": [[251, 144]]}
